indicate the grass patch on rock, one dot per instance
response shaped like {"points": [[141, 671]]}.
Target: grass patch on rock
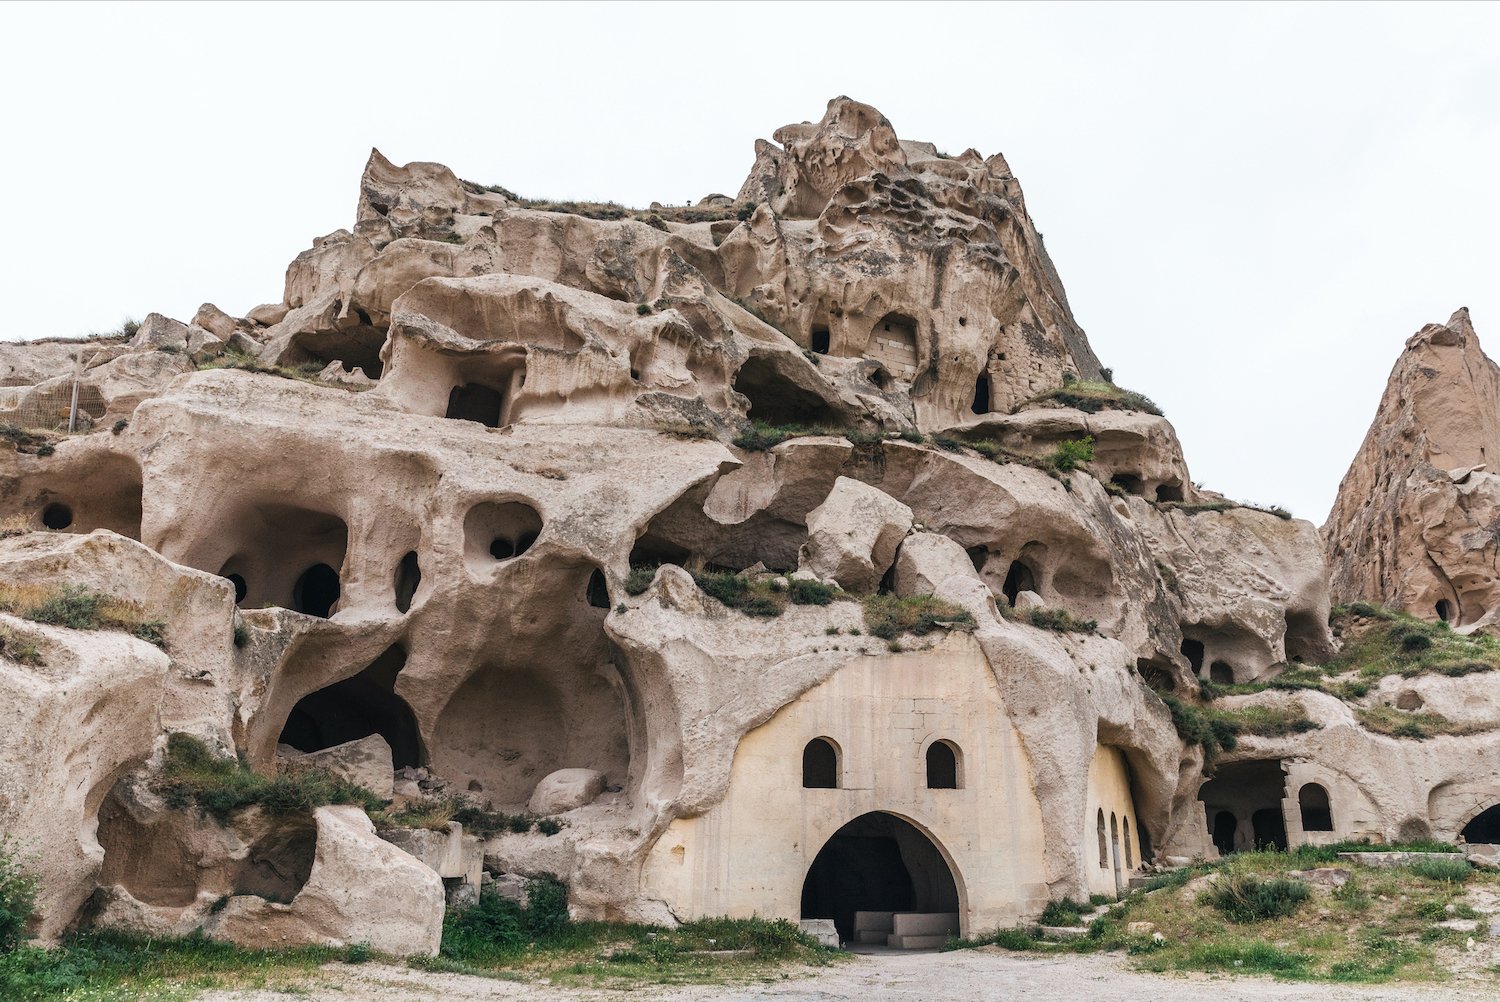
{"points": [[192, 775], [1091, 397], [888, 617], [80, 608]]}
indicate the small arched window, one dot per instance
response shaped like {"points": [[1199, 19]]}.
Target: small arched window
{"points": [[1103, 843], [942, 766], [1317, 815], [820, 765], [1129, 855]]}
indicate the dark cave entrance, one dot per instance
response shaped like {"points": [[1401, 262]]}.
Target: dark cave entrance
{"points": [[877, 863], [356, 708]]}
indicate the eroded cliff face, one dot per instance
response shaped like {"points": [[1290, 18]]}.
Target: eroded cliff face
{"points": [[454, 491], [1415, 523]]}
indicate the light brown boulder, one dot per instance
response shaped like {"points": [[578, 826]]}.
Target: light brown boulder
{"points": [[158, 331], [566, 790], [853, 535], [926, 561], [365, 761], [361, 889]]}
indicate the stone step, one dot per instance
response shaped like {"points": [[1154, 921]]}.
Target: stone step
{"points": [[932, 942], [874, 921], [872, 936], [822, 930], [924, 923], [1064, 931]]}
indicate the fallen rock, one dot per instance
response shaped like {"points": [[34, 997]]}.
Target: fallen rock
{"points": [[566, 790], [853, 535]]}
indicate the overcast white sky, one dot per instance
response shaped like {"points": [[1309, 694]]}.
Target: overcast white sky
{"points": [[1251, 206]]}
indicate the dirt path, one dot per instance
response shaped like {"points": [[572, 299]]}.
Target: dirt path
{"points": [[969, 976]]}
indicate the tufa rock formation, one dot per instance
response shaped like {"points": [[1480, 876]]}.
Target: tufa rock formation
{"points": [[718, 559], [1415, 523]]}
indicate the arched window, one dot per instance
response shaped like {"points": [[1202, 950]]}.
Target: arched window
{"points": [[1129, 855], [942, 766], [820, 765], [1103, 843], [1317, 815]]}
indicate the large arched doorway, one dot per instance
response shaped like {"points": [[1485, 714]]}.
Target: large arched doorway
{"points": [[879, 864], [1484, 829]]}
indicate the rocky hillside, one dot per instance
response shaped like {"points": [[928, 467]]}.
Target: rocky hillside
{"points": [[540, 535]]}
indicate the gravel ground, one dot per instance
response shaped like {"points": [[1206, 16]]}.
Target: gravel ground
{"points": [[968, 976]]}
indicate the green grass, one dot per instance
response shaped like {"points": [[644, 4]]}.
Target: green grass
{"points": [[1253, 918], [434, 813], [80, 608], [1056, 620], [27, 442], [17, 896], [888, 617], [100, 966], [1217, 729], [1397, 723], [307, 372], [1380, 642], [193, 775], [1247, 897], [1093, 397], [497, 937]]}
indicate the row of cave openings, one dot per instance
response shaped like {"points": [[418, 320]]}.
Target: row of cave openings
{"points": [[823, 765], [893, 343], [1245, 807], [298, 565]]}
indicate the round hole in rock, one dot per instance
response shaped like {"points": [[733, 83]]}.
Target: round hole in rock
{"points": [[57, 516], [1444, 610], [499, 530], [316, 591], [240, 587], [408, 578], [1221, 672]]}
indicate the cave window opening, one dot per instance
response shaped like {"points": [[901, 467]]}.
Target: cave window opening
{"points": [[1484, 829], [820, 765], [1193, 651], [57, 516], [821, 340], [981, 404], [1103, 843], [316, 592], [1444, 610], [1129, 855], [241, 589], [1221, 672], [408, 578], [1317, 815], [1130, 483], [476, 402], [943, 771], [1155, 674], [776, 399], [876, 865], [598, 590], [1169, 492], [355, 708], [1019, 578], [881, 379], [894, 343]]}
